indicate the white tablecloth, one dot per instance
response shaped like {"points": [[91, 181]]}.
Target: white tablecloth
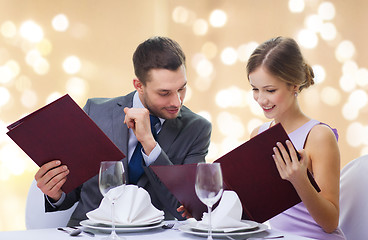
{"points": [[155, 234]]}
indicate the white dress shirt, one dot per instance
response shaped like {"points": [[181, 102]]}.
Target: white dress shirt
{"points": [[133, 139]]}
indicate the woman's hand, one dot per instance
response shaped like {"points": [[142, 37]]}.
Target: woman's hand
{"points": [[289, 166]]}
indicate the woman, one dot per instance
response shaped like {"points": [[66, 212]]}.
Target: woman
{"points": [[277, 73]]}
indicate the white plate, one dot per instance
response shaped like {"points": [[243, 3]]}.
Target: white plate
{"points": [[187, 229], [251, 225], [108, 223], [106, 228]]}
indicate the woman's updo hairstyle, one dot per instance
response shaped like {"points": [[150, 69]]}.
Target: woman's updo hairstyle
{"points": [[282, 58]]}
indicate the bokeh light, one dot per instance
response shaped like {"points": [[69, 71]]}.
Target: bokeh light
{"points": [[349, 67], [358, 98], [347, 82], [331, 96], [41, 66], [44, 47], [229, 56], [77, 87], [180, 14], [328, 31], [231, 97], [349, 111], [9, 71], [200, 27], [345, 51], [361, 77], [218, 18], [31, 31], [8, 29], [296, 6], [72, 65], [52, 97], [15, 167], [245, 50], [307, 38], [326, 10], [4, 96], [60, 23], [314, 22], [223, 121], [29, 99], [319, 74], [356, 134], [203, 66]]}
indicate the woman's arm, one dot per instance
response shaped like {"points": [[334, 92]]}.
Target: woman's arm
{"points": [[321, 155]]}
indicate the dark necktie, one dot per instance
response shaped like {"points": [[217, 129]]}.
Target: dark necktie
{"points": [[135, 163]]}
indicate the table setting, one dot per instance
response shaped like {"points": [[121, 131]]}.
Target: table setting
{"points": [[128, 209], [126, 213], [226, 221], [133, 211]]}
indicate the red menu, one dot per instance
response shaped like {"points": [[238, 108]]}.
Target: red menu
{"points": [[62, 130], [249, 170]]}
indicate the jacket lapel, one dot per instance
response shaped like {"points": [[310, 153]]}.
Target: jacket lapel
{"points": [[170, 129], [119, 129]]}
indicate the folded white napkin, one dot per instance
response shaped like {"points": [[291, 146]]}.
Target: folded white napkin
{"points": [[227, 215], [132, 206]]}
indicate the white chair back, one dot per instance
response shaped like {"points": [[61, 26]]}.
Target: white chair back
{"points": [[354, 199], [36, 217]]}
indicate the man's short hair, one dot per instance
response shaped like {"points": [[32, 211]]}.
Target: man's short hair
{"points": [[157, 53]]}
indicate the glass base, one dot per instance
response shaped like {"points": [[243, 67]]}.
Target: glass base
{"points": [[114, 236], [209, 237]]}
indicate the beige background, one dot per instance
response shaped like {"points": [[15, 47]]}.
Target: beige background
{"points": [[104, 34]]}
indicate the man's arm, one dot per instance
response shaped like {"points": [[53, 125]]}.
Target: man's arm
{"points": [[70, 199]]}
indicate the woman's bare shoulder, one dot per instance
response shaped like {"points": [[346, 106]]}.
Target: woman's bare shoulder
{"points": [[321, 133]]}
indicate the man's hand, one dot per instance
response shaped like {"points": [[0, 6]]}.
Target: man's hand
{"points": [[184, 212], [51, 177], [139, 121]]}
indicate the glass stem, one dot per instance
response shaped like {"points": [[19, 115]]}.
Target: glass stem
{"points": [[113, 217], [209, 223]]}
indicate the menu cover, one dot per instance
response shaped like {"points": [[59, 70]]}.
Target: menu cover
{"points": [[249, 170], [62, 130]]}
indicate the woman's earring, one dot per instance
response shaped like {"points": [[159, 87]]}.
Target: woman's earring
{"points": [[295, 93]]}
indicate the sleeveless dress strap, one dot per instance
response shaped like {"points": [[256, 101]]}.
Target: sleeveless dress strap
{"points": [[300, 135]]}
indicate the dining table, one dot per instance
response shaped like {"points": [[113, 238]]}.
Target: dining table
{"points": [[170, 230]]}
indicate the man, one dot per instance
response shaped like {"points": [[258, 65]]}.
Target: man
{"points": [[183, 136]]}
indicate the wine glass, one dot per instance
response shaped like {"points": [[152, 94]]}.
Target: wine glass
{"points": [[111, 175], [209, 187]]}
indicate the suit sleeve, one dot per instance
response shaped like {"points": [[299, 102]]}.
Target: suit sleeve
{"points": [[70, 198]]}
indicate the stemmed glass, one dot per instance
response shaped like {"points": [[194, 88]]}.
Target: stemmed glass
{"points": [[111, 175], [209, 187]]}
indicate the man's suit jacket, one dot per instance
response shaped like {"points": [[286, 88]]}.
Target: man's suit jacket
{"points": [[183, 140]]}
